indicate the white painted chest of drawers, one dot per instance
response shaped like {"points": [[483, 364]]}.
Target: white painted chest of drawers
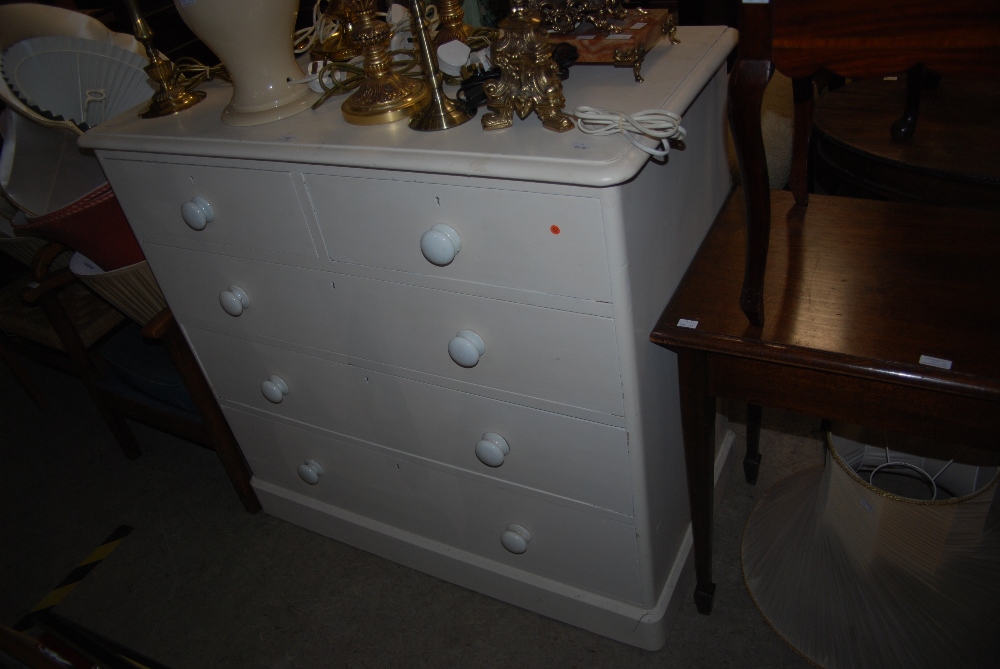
{"points": [[570, 246]]}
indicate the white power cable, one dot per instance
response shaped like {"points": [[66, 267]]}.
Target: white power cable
{"points": [[657, 124]]}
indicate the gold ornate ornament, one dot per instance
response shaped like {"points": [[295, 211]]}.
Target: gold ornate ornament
{"points": [[169, 97], [631, 58], [563, 16], [453, 26], [338, 47], [441, 113], [670, 29], [529, 78], [383, 96]]}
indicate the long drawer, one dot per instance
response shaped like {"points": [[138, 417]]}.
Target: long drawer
{"points": [[568, 545], [531, 241], [555, 355], [253, 209], [556, 454]]}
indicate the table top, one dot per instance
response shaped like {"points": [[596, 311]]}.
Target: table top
{"points": [[675, 75], [864, 295], [957, 131]]}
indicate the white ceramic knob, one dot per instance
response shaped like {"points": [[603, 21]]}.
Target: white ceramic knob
{"points": [[197, 213], [310, 471], [274, 389], [492, 449], [515, 539], [466, 348], [234, 300], [440, 244]]}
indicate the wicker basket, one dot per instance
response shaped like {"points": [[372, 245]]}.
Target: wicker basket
{"points": [[132, 289]]}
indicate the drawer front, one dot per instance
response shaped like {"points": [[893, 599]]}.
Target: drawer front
{"points": [[253, 209], [554, 355], [568, 545], [546, 243], [556, 454]]}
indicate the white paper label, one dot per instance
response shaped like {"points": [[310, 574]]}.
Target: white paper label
{"points": [[935, 362], [685, 323], [586, 36], [637, 26], [618, 37]]}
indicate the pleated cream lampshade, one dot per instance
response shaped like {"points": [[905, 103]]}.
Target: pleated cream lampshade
{"points": [[853, 577]]}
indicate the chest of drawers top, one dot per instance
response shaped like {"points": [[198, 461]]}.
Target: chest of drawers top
{"points": [[525, 152]]}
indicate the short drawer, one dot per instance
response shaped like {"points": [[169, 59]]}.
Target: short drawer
{"points": [[556, 454], [550, 354], [253, 209], [530, 241], [568, 545]]}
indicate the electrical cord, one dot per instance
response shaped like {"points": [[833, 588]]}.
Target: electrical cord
{"points": [[657, 124], [191, 73], [565, 55]]}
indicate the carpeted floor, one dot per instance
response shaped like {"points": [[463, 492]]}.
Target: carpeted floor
{"points": [[201, 583]]}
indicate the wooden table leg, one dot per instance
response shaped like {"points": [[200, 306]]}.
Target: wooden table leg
{"points": [[751, 463], [698, 423]]}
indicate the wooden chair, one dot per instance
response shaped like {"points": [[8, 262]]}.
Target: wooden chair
{"points": [[878, 313], [133, 291], [58, 321]]}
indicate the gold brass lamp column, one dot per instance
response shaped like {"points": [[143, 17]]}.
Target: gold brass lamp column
{"points": [[169, 97], [338, 47], [383, 96], [453, 26]]}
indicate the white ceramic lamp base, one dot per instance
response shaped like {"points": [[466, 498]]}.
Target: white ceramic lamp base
{"points": [[254, 40]]}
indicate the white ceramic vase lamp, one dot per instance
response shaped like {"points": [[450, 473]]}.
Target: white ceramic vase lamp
{"points": [[253, 38]]}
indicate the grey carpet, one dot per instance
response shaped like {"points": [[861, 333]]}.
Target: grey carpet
{"points": [[201, 583]]}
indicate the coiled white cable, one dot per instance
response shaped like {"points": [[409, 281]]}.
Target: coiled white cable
{"points": [[657, 124]]}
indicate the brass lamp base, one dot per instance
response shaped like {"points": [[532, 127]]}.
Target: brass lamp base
{"points": [[169, 98], [441, 113], [383, 96], [384, 102], [165, 103], [440, 116]]}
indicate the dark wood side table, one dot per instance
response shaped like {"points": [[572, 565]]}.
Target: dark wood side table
{"points": [[952, 160]]}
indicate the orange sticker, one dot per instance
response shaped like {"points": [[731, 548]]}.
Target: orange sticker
{"points": [[555, 229]]}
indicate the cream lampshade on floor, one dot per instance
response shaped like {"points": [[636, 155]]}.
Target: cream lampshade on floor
{"points": [[852, 576]]}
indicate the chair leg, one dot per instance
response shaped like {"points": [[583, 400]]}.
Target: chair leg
{"points": [[88, 370], [222, 436], [22, 376], [751, 463], [117, 424]]}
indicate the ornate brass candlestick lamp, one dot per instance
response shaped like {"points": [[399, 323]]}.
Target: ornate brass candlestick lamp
{"points": [[383, 96], [169, 97], [529, 77], [339, 46], [453, 26], [441, 113]]}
